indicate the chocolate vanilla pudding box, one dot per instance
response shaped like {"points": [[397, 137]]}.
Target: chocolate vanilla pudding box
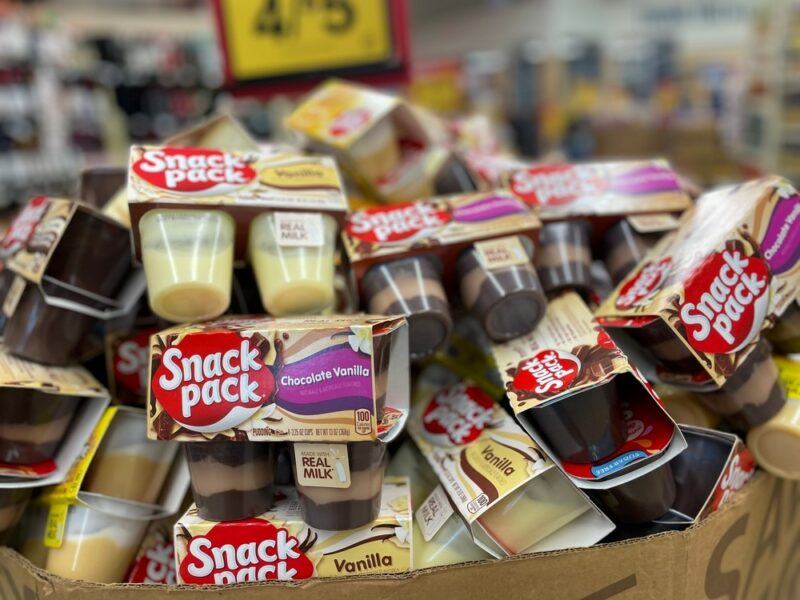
{"points": [[409, 258], [701, 298], [584, 403], [279, 545], [511, 496], [304, 379], [73, 267], [46, 416]]}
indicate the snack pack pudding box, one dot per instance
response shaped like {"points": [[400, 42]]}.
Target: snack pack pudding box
{"points": [[98, 515], [700, 300], [628, 205], [403, 257], [587, 406], [46, 416], [285, 548], [127, 362], [155, 560], [714, 466], [73, 268], [511, 496], [194, 211], [379, 141]]}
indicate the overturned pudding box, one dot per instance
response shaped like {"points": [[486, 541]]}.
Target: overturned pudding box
{"points": [[697, 303], [511, 497], [592, 411], [279, 545], [304, 379]]}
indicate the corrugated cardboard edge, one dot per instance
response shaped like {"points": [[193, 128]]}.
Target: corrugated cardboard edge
{"points": [[748, 549]]}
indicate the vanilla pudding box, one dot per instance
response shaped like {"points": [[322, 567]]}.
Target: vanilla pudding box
{"points": [[583, 402], [511, 496], [278, 545], [46, 416], [304, 379], [698, 302]]}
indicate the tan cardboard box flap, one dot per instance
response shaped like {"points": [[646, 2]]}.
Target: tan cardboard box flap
{"points": [[746, 550]]}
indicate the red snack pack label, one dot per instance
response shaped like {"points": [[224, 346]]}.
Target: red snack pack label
{"points": [[193, 170], [547, 373], [397, 223], [155, 565], [458, 415]]}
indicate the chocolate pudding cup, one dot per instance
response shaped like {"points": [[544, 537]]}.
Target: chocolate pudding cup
{"points": [[94, 255], [12, 505], [33, 424], [752, 395], [640, 500], [564, 258], [43, 333], [231, 480], [100, 184], [339, 509], [785, 335], [663, 346], [507, 301], [623, 248], [584, 428], [381, 359], [411, 287]]}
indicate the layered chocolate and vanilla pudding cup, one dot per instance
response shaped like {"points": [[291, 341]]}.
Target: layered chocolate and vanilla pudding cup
{"points": [[45, 334], [99, 543], [411, 287], [665, 348], [776, 443], [127, 465], [623, 248], [33, 424], [564, 258], [188, 262], [295, 276], [508, 301], [377, 152], [12, 504], [639, 500], [752, 395], [585, 427], [231, 480], [785, 334], [342, 508]]}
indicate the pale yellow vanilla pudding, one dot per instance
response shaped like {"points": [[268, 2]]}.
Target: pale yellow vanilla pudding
{"points": [[188, 262], [292, 255], [377, 153], [776, 443]]}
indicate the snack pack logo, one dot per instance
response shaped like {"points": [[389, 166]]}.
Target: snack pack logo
{"points": [[398, 223], [739, 471], [130, 362], [23, 226], [643, 286], [555, 185], [457, 415], [244, 551], [212, 382], [725, 301], [548, 373], [348, 122], [156, 565], [193, 170]]}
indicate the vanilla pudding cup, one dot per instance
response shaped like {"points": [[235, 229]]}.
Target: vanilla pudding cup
{"points": [[127, 465], [377, 152], [99, 543], [33, 424], [188, 262], [776, 443], [292, 255], [342, 508], [231, 480]]}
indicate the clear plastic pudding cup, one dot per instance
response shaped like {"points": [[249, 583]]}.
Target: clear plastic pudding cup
{"points": [[411, 287], [564, 258], [99, 543], [231, 480], [776, 443], [188, 262], [128, 465], [377, 152], [292, 255]]}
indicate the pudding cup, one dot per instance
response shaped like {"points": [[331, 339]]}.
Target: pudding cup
{"points": [[564, 258]]}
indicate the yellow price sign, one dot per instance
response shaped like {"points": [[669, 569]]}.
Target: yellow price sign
{"points": [[275, 38]]}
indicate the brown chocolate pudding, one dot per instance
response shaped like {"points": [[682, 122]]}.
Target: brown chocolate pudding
{"points": [[411, 287], [665, 348], [564, 258], [231, 480], [99, 184], [338, 509]]}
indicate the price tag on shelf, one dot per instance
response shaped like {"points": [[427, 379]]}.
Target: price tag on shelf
{"points": [[273, 42]]}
